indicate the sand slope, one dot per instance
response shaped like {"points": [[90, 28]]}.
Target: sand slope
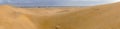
{"points": [[11, 19], [97, 17]]}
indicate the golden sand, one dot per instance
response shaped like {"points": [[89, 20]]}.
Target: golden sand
{"points": [[97, 17], [11, 19]]}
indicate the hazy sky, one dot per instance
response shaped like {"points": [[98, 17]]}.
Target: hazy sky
{"points": [[57, 2]]}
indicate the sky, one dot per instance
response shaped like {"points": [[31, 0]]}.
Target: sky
{"points": [[57, 2]]}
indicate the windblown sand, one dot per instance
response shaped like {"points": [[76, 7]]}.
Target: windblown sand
{"points": [[96, 17]]}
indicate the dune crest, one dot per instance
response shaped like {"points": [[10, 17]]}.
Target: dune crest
{"points": [[10, 19], [96, 17]]}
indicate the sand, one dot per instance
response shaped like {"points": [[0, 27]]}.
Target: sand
{"points": [[12, 19], [96, 17]]}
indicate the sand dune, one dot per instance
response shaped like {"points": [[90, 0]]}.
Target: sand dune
{"points": [[96, 17], [10, 19]]}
